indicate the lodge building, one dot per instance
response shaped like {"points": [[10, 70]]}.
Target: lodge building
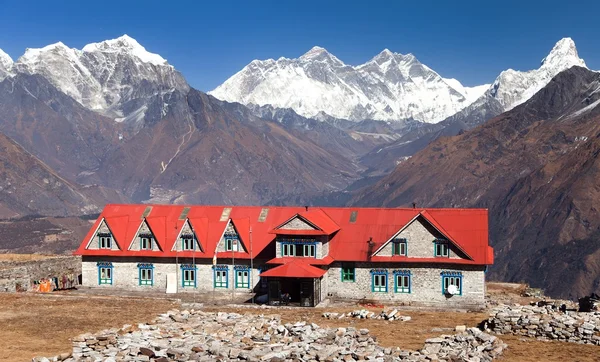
{"points": [[410, 256]]}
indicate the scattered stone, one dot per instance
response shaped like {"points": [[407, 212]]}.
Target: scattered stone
{"points": [[201, 336], [545, 322], [366, 314]]}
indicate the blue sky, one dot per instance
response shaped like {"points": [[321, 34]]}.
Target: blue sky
{"points": [[208, 41]]}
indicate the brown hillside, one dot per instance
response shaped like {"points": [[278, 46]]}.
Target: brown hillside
{"points": [[537, 169]]}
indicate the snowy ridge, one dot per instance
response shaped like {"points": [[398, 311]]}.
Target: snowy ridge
{"points": [[127, 45], [389, 87], [6, 63], [104, 76], [513, 87]]}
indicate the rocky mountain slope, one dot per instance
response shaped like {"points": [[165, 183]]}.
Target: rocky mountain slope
{"points": [[391, 86], [510, 89], [536, 167], [172, 143], [207, 151], [28, 186]]}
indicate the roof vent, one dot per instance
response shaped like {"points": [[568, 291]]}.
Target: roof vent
{"points": [[184, 213], [225, 214], [263, 215], [146, 212], [353, 216]]}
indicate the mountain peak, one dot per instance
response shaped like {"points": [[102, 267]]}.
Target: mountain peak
{"points": [[564, 55], [34, 54], [318, 53], [314, 52], [125, 44], [5, 59]]}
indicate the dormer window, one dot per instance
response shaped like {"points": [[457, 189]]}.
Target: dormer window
{"points": [[441, 249], [104, 241], [146, 242], [232, 243], [399, 247], [188, 242]]}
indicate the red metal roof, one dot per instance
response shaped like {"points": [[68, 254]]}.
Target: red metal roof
{"points": [[349, 241], [294, 269], [312, 261]]}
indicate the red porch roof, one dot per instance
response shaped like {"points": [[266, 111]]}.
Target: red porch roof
{"points": [[294, 269]]}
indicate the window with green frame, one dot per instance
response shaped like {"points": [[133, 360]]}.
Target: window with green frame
{"points": [[440, 248], [105, 273], [221, 277], [402, 282], [399, 247], [188, 242], [348, 273], [288, 249], [146, 274], [145, 242], [232, 243], [379, 281], [104, 241], [188, 276], [242, 278]]}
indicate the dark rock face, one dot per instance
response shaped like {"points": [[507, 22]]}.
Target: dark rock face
{"points": [[536, 168]]}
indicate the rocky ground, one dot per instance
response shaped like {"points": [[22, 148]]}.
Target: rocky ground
{"points": [[546, 323], [204, 336]]}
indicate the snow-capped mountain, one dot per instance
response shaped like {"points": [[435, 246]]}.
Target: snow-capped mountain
{"points": [[115, 77], [5, 64], [513, 87], [391, 86]]}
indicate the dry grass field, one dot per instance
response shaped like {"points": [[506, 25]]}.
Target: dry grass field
{"points": [[35, 324], [24, 257], [42, 325]]}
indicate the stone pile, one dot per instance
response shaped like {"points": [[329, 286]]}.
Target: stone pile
{"points": [[546, 323], [390, 315], [200, 336]]}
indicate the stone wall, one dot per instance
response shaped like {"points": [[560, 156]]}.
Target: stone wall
{"points": [[546, 323], [126, 273], [19, 276], [420, 236], [426, 284]]}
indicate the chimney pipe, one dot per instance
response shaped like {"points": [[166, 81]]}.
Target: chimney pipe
{"points": [[414, 205], [306, 207]]}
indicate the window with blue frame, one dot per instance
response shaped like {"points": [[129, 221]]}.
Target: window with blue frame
{"points": [[440, 248], [188, 242], [232, 242], [104, 241], [221, 276], [242, 277], [379, 279], [188, 275], [399, 247], [146, 242], [304, 247], [105, 272], [452, 278], [402, 281], [146, 274]]}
